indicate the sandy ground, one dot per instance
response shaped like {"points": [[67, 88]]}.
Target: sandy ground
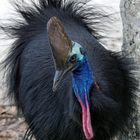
{"points": [[11, 126]]}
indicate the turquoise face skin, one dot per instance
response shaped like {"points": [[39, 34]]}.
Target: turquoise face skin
{"points": [[83, 77], [76, 50]]}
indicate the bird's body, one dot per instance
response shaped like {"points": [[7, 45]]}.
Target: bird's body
{"points": [[104, 77]]}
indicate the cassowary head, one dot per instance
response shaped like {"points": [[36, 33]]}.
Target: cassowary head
{"points": [[70, 56]]}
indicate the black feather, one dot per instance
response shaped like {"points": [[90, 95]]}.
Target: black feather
{"points": [[30, 71]]}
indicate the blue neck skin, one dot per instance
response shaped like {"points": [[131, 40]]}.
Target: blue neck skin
{"points": [[82, 80]]}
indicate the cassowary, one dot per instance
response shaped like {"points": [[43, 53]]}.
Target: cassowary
{"points": [[67, 85]]}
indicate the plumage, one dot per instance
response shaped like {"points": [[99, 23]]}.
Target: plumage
{"points": [[110, 84]]}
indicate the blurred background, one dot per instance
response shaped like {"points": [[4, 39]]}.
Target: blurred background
{"points": [[12, 126]]}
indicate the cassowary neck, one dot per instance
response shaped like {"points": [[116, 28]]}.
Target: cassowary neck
{"points": [[82, 82]]}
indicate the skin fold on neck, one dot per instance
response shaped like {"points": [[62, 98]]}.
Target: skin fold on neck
{"points": [[82, 81]]}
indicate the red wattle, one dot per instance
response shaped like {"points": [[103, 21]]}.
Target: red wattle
{"points": [[86, 120]]}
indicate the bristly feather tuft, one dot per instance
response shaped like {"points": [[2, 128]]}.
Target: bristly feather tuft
{"points": [[90, 16]]}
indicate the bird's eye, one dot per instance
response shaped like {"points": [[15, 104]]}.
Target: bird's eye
{"points": [[73, 58]]}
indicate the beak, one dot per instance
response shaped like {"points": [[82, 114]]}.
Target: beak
{"points": [[59, 75]]}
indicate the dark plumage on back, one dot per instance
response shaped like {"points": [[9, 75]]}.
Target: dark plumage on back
{"points": [[98, 86]]}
